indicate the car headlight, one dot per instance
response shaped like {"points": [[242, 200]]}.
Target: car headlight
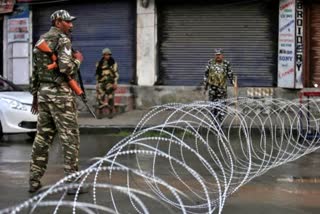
{"points": [[15, 104]]}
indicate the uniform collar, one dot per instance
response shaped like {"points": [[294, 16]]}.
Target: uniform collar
{"points": [[57, 30]]}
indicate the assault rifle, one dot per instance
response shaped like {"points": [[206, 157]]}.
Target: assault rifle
{"points": [[73, 84]]}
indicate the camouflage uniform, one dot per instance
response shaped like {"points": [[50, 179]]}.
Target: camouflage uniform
{"points": [[107, 76], [215, 79], [56, 104]]}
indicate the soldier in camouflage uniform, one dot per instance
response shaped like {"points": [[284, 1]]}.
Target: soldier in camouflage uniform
{"points": [[54, 100], [217, 72], [107, 80]]}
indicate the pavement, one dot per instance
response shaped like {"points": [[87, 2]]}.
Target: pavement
{"points": [[122, 120], [291, 188], [127, 121]]}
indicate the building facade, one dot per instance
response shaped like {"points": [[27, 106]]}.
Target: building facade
{"points": [[270, 43]]}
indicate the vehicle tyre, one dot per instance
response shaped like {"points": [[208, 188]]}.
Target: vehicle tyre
{"points": [[32, 134], [1, 133]]}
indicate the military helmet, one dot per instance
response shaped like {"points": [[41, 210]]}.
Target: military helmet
{"points": [[62, 14], [106, 51], [218, 51]]}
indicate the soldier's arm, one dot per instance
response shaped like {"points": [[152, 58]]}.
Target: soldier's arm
{"points": [[116, 73], [67, 63], [97, 75], [230, 73], [35, 84], [206, 75], [34, 80]]}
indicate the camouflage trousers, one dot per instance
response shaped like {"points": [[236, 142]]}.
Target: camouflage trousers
{"points": [[60, 118], [105, 90], [218, 95]]}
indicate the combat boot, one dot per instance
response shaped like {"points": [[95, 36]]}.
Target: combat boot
{"points": [[99, 113], [111, 112], [34, 187]]}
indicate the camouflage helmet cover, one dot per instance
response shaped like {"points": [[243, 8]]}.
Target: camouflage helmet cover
{"points": [[62, 14], [218, 51], [106, 51]]}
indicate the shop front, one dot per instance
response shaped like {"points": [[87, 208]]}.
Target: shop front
{"points": [[189, 31]]}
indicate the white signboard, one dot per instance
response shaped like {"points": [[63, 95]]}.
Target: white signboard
{"points": [[18, 29], [299, 44], [286, 50]]}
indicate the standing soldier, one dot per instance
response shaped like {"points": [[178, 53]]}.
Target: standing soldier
{"points": [[107, 80], [54, 100], [217, 72]]}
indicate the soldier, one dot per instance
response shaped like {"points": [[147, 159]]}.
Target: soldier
{"points": [[217, 72], [54, 100], [107, 80]]}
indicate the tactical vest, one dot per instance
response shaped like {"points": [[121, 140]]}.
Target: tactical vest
{"points": [[105, 72], [42, 60], [218, 75], [104, 68]]}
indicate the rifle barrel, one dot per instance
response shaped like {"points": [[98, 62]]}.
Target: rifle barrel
{"points": [[88, 107]]}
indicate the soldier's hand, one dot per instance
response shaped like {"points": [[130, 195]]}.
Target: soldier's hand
{"points": [[205, 89], [78, 55], [115, 86], [34, 107], [205, 92], [235, 82]]}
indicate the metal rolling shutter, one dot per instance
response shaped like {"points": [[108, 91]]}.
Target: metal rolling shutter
{"points": [[99, 24], [1, 46], [246, 30], [315, 43]]}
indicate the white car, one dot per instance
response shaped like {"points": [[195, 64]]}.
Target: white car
{"points": [[15, 106]]}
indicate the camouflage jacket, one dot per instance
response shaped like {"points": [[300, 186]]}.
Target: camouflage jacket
{"points": [[107, 72], [216, 74], [51, 84]]}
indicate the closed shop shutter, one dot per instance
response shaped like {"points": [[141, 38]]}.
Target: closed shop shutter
{"points": [[1, 46], [99, 24], [246, 30], [315, 43]]}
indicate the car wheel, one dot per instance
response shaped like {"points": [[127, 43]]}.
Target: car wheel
{"points": [[32, 134], [1, 133]]}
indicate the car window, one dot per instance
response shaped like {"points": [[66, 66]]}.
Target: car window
{"points": [[6, 85]]}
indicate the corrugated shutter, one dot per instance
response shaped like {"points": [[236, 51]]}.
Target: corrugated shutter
{"points": [[315, 43], [1, 46], [99, 24], [246, 30]]}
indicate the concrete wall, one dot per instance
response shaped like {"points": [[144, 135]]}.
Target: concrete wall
{"points": [[146, 43], [146, 97]]}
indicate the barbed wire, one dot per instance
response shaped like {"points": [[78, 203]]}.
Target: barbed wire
{"points": [[191, 161]]}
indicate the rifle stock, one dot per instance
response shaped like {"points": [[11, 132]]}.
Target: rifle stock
{"points": [[43, 46]]}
